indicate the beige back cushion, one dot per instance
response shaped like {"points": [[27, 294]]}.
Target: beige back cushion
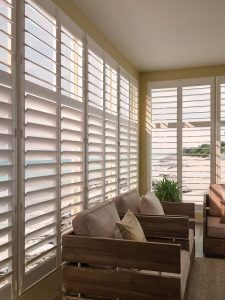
{"points": [[129, 200], [150, 205], [98, 221], [130, 228], [216, 194]]}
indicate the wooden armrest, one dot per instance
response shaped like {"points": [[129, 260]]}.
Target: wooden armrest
{"points": [[182, 209], [162, 226], [122, 253]]}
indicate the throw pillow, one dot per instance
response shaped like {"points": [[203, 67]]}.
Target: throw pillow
{"points": [[130, 228], [150, 205]]}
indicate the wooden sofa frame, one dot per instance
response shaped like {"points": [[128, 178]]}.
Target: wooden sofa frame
{"points": [[212, 246], [102, 268]]}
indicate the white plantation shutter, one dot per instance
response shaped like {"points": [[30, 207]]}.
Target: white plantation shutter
{"points": [[95, 124], [181, 131], [221, 133], [124, 133], [111, 130], [73, 109], [134, 132], [72, 124], [41, 131], [163, 132], [7, 151], [196, 144]]}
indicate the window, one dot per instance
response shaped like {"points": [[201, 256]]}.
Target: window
{"points": [[72, 123], [128, 132], [111, 130], [95, 123], [196, 145], [41, 163], [180, 144], [134, 132], [164, 133], [60, 114], [220, 136]]}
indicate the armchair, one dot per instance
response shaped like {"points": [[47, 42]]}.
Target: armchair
{"points": [[213, 225], [176, 226], [98, 266]]}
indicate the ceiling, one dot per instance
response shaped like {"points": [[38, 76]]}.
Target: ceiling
{"points": [[162, 34]]}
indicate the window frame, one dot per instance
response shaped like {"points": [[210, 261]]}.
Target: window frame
{"points": [[178, 125]]}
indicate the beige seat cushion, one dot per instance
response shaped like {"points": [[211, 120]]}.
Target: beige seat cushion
{"points": [[185, 266], [130, 228], [97, 221], [129, 200], [150, 205], [216, 194], [215, 228]]}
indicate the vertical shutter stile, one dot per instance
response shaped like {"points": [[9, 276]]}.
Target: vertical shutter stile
{"points": [[7, 151]]}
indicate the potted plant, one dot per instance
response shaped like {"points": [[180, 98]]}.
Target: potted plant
{"points": [[167, 189]]}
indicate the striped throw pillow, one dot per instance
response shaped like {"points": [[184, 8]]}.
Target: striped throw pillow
{"points": [[130, 228]]}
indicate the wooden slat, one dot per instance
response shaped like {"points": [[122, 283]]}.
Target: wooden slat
{"points": [[123, 284], [162, 226], [122, 253], [183, 209], [184, 243]]}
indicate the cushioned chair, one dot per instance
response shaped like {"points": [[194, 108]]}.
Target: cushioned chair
{"points": [[98, 266], [214, 230], [161, 227]]}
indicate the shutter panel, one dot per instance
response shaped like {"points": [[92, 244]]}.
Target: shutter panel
{"points": [[40, 143], [221, 160], [111, 132], [134, 136], [196, 144], [95, 125], [163, 133], [72, 126], [124, 124], [7, 151]]}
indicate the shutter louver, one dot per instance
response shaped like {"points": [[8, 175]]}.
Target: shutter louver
{"points": [[133, 136], [221, 163], [111, 132], [164, 133], [95, 128], [7, 151], [41, 143], [124, 124], [196, 118], [72, 124]]}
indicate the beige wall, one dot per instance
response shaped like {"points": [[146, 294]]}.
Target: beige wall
{"points": [[159, 76]]}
